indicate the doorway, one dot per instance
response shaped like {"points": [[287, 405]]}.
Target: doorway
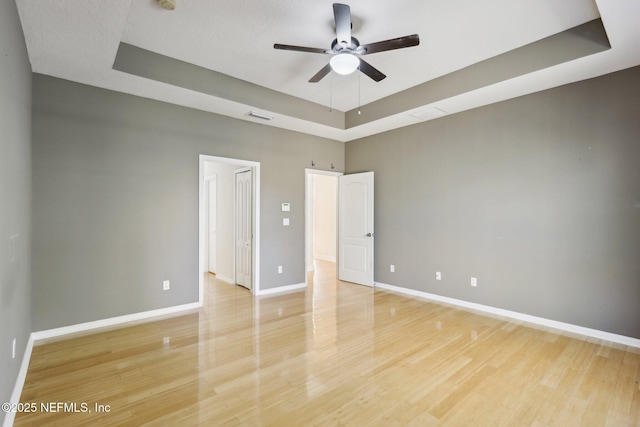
{"points": [[321, 220], [222, 171]]}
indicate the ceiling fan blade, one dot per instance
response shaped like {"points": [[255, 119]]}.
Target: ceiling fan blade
{"points": [[342, 15], [302, 48], [370, 71], [397, 43], [320, 74]]}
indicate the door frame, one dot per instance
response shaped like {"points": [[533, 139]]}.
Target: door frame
{"points": [[202, 229], [308, 212]]}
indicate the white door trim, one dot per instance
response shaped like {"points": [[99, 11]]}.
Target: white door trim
{"points": [[308, 212], [202, 220]]}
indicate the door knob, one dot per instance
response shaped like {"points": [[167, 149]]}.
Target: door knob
{"points": [[369, 234]]}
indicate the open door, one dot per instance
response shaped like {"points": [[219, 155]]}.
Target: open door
{"points": [[355, 230], [212, 222], [244, 228]]}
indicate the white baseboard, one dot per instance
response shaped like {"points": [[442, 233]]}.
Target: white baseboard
{"points": [[282, 289], [568, 327], [225, 279], [328, 258], [19, 385], [112, 321]]}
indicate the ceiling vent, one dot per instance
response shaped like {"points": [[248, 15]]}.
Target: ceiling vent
{"points": [[259, 115], [428, 113]]}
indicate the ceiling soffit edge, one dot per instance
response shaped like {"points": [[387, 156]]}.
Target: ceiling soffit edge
{"points": [[580, 41]]}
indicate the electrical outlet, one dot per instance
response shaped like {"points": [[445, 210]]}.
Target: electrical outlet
{"points": [[392, 268], [474, 282], [279, 269], [166, 285], [13, 349], [438, 275]]}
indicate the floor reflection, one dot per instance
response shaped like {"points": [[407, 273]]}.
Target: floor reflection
{"points": [[333, 354]]}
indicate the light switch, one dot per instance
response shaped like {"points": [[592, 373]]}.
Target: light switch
{"points": [[286, 207], [285, 221]]}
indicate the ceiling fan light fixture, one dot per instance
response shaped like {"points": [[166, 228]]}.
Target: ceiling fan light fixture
{"points": [[344, 63], [346, 49]]}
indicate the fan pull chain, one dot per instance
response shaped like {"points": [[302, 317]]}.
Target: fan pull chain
{"points": [[359, 90]]}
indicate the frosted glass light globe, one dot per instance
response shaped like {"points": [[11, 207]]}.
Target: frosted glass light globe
{"points": [[344, 63]]}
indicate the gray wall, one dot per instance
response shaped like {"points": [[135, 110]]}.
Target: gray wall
{"points": [[538, 197], [15, 197], [115, 185]]}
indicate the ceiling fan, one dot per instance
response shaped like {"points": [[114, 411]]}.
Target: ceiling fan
{"points": [[346, 49]]}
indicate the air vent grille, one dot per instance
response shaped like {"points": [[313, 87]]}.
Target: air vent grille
{"points": [[428, 113], [259, 115]]}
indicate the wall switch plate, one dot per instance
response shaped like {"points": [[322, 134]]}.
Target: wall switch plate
{"points": [[285, 221], [474, 282], [279, 269], [392, 268], [438, 275], [166, 285]]}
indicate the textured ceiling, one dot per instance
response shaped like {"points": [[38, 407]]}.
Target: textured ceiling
{"points": [[78, 40]]}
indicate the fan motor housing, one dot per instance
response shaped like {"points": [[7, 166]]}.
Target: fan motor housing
{"points": [[337, 47]]}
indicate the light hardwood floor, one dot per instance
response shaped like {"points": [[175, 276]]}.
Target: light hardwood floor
{"points": [[335, 354]]}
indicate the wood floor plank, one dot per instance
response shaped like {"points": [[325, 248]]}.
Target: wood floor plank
{"points": [[333, 354]]}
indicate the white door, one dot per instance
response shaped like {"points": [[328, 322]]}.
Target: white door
{"points": [[355, 235], [244, 229], [213, 224]]}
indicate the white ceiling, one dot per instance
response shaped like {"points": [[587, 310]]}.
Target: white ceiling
{"points": [[78, 39]]}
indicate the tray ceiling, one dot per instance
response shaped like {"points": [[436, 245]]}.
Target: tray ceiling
{"points": [[79, 41]]}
